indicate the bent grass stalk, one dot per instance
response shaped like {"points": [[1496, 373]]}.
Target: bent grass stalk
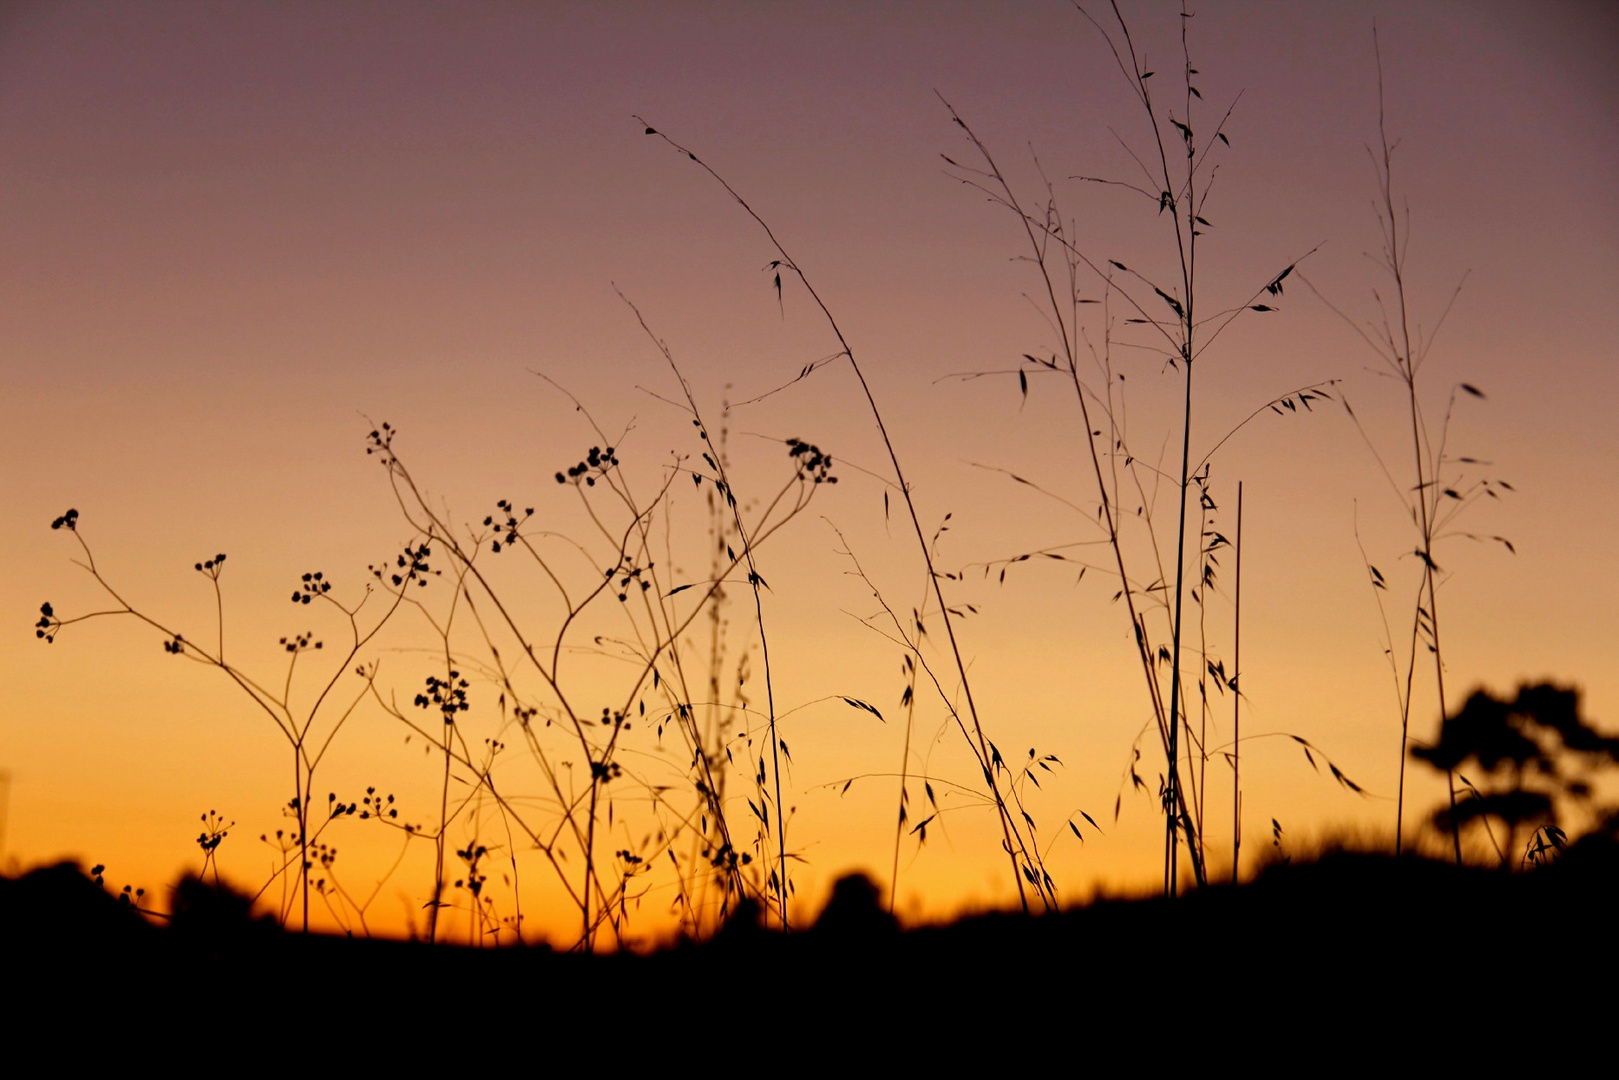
{"points": [[1024, 857]]}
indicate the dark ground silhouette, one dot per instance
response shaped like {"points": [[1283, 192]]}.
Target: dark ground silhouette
{"points": [[1347, 962], [1349, 951]]}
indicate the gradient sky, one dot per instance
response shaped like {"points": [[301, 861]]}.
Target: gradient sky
{"points": [[235, 235]]}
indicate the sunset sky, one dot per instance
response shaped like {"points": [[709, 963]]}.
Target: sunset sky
{"points": [[238, 236]]}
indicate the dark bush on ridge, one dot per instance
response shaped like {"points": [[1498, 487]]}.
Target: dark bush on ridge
{"points": [[1533, 753]]}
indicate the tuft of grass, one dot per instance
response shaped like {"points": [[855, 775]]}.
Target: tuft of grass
{"points": [[613, 579], [1166, 317]]}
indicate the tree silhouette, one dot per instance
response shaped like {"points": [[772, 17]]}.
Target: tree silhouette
{"points": [[1535, 755]]}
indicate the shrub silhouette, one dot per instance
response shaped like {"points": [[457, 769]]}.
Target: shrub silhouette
{"points": [[855, 912], [215, 912], [63, 899], [1535, 752]]}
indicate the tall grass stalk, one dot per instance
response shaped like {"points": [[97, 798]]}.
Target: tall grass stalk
{"points": [[1405, 361], [1176, 183], [1236, 706], [1027, 866], [1440, 490], [1179, 195], [910, 663]]}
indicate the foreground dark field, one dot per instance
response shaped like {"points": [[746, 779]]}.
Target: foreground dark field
{"points": [[1350, 951]]}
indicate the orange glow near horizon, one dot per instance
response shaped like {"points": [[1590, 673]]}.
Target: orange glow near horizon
{"points": [[241, 236]]}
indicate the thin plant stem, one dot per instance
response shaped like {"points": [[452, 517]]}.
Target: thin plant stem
{"points": [[1407, 363], [1236, 706], [912, 658]]}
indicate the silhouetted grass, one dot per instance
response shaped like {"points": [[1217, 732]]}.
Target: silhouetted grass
{"points": [[508, 646], [1027, 864], [1441, 484], [1169, 320]]}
